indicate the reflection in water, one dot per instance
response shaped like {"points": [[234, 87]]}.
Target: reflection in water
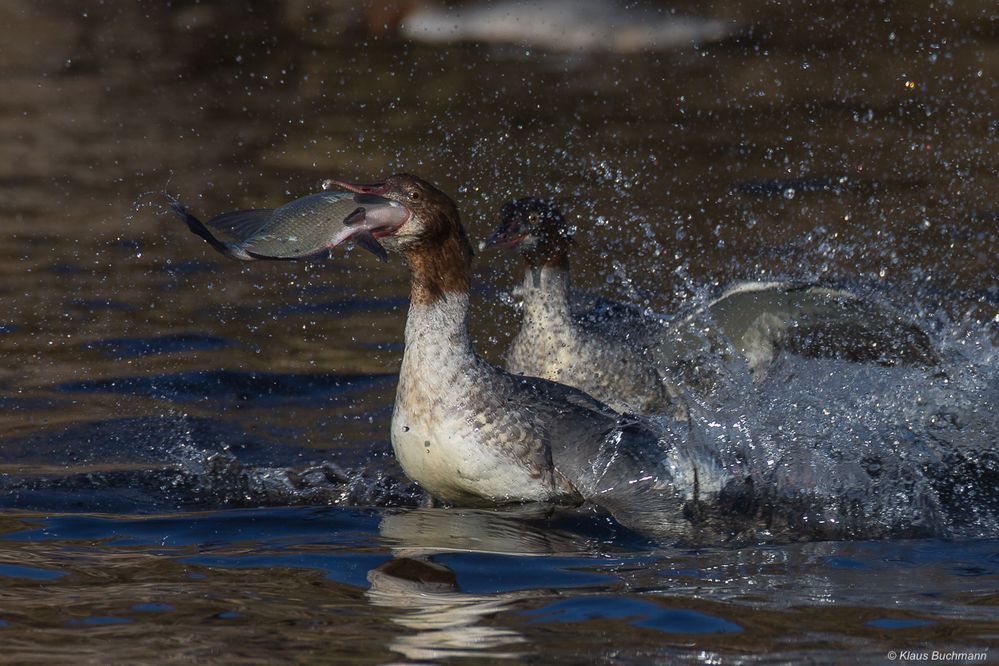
{"points": [[445, 621], [425, 594], [249, 586], [520, 530]]}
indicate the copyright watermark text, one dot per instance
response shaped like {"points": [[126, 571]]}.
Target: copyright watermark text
{"points": [[938, 655]]}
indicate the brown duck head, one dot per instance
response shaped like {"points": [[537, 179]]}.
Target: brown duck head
{"points": [[431, 238]]}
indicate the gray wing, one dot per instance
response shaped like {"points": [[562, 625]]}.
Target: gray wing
{"points": [[541, 392], [610, 317], [817, 322], [613, 459]]}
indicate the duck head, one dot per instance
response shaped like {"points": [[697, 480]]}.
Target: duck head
{"points": [[433, 217], [536, 228], [431, 238]]}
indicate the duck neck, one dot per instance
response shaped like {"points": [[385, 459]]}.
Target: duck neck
{"points": [[439, 328], [546, 293], [438, 312]]}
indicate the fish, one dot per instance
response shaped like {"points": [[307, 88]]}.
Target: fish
{"points": [[305, 228]]}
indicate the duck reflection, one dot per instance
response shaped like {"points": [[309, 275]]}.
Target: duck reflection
{"points": [[425, 595]]}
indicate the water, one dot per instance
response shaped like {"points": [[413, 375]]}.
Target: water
{"points": [[195, 461], [379, 585]]}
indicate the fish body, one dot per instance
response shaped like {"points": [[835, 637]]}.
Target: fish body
{"points": [[303, 228]]}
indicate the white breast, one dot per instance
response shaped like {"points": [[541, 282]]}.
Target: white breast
{"points": [[451, 428]]}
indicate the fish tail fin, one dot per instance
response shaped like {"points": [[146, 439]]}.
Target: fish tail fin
{"points": [[199, 228]]}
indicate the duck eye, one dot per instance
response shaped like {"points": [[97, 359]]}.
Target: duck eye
{"points": [[414, 195]]}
